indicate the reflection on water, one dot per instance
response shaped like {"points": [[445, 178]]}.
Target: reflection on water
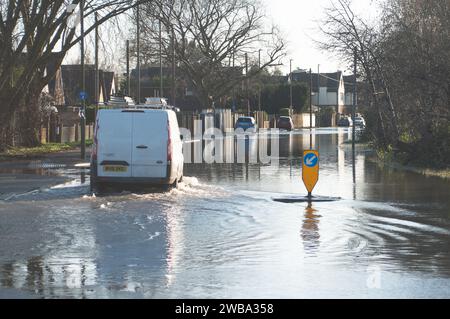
{"points": [[310, 231], [219, 235], [175, 240], [48, 277]]}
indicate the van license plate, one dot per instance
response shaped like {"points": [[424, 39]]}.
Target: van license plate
{"points": [[115, 169]]}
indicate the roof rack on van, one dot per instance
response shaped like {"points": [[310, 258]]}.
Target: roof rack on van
{"points": [[117, 102], [155, 103]]}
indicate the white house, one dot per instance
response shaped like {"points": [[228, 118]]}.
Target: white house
{"points": [[328, 89]]}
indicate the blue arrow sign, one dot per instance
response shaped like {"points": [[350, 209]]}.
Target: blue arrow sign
{"points": [[311, 160], [83, 96]]}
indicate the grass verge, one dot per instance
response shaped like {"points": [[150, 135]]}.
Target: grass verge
{"points": [[44, 149], [390, 160]]}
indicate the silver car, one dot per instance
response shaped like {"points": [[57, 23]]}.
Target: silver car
{"points": [[360, 122]]}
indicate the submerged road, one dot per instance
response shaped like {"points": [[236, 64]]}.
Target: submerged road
{"points": [[220, 235]]}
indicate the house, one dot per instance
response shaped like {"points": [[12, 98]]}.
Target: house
{"points": [[65, 89], [328, 89], [151, 86], [186, 97], [71, 77], [109, 85], [150, 82], [55, 87]]}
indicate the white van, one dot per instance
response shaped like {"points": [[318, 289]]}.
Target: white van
{"points": [[137, 147]]}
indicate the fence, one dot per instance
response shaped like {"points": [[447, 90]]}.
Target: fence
{"points": [[65, 134], [222, 119], [262, 119], [303, 120]]}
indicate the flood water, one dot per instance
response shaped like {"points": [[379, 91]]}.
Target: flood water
{"points": [[220, 235]]}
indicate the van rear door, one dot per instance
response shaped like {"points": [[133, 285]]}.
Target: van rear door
{"points": [[114, 143], [150, 137]]}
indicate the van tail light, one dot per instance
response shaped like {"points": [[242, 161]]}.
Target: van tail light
{"points": [[95, 146], [169, 143]]}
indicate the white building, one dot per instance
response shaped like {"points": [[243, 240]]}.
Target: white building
{"points": [[333, 90]]}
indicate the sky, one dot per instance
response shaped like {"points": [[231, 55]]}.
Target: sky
{"points": [[299, 22]]}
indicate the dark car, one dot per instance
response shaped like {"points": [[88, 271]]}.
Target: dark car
{"points": [[285, 123], [345, 122]]}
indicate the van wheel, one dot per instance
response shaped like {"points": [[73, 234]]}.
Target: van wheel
{"points": [[169, 187], [93, 186], [94, 183], [98, 188]]}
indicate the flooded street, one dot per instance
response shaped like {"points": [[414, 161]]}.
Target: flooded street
{"points": [[220, 235]]}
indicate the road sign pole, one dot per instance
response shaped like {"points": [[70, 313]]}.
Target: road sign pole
{"points": [[97, 74], [83, 87]]}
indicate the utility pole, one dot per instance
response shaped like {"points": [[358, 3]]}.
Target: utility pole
{"points": [[161, 83], [138, 44], [310, 108], [83, 87], [97, 75], [128, 69], [355, 61], [234, 89], [247, 84], [174, 91], [290, 82], [259, 86], [318, 85]]}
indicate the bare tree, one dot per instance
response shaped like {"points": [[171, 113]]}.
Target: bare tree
{"points": [[210, 39], [405, 60], [416, 52], [347, 35]]}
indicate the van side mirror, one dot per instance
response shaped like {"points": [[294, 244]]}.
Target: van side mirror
{"points": [[181, 137]]}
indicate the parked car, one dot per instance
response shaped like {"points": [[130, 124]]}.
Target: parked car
{"points": [[345, 122], [138, 147], [360, 121], [285, 123], [245, 123]]}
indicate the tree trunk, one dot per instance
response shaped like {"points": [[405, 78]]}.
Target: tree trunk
{"points": [[6, 126], [29, 121], [6, 137]]}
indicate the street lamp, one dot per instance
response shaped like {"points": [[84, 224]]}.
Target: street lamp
{"points": [[311, 94], [161, 83], [290, 82], [83, 86]]}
